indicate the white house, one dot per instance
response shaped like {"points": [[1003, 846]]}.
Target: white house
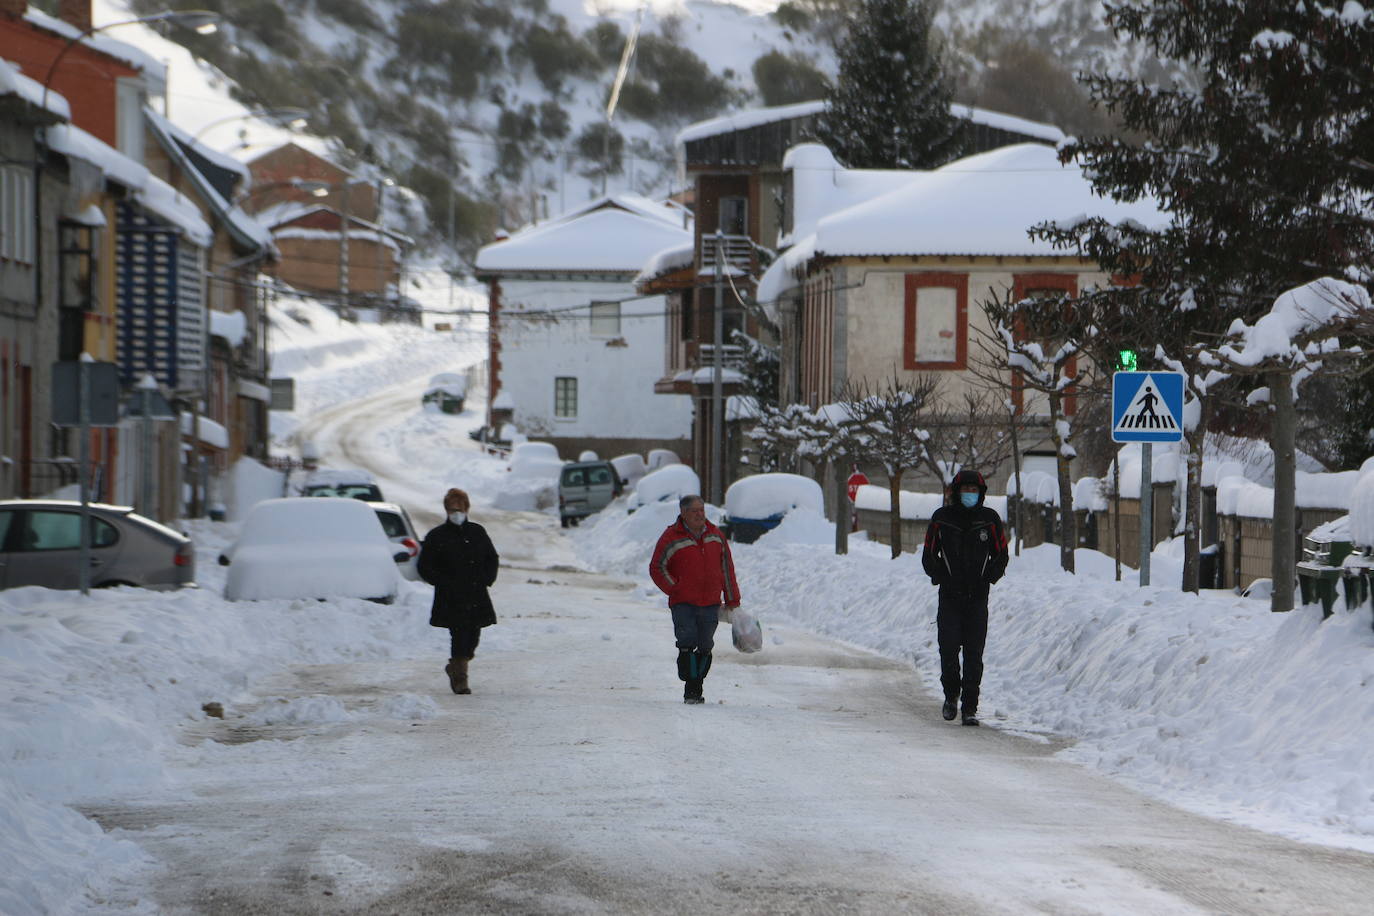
{"points": [[573, 346]]}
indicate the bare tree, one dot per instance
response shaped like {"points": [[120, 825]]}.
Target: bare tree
{"points": [[887, 425]]}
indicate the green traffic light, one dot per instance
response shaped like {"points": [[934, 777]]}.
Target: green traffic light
{"points": [[1128, 361]]}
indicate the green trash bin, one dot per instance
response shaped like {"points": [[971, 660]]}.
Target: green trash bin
{"points": [[1319, 570]]}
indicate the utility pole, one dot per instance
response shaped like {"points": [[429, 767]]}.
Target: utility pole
{"points": [[83, 470], [146, 386], [343, 251], [718, 381], [1147, 510]]}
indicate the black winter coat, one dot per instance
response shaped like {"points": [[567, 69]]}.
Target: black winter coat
{"points": [[461, 563], [965, 549]]}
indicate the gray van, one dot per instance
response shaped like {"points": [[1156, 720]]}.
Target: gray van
{"points": [[585, 487]]}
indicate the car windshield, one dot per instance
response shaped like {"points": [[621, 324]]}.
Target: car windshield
{"points": [[348, 491]]}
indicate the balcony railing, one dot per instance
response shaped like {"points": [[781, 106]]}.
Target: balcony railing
{"points": [[737, 252], [731, 356]]}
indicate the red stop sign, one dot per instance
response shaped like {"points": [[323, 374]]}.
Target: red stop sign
{"points": [[856, 480]]}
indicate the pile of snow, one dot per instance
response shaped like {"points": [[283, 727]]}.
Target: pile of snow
{"points": [[532, 483], [96, 693], [667, 484], [249, 484], [1362, 506], [450, 383], [803, 526], [771, 495]]}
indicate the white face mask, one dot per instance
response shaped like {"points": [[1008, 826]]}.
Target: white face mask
{"points": [[457, 517]]}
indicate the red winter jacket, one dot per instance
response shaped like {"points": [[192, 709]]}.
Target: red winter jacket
{"points": [[692, 571]]}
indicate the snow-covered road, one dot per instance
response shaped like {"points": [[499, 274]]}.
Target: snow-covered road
{"points": [[817, 779]]}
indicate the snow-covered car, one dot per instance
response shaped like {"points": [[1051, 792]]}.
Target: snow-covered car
{"points": [[757, 504], [671, 482], [585, 487], [400, 530], [447, 390], [661, 458], [308, 547], [535, 459], [352, 483], [631, 468]]}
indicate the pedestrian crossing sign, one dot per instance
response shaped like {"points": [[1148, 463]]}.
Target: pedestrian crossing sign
{"points": [[1147, 407]]}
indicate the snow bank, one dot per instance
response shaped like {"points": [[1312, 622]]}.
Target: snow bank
{"points": [[1362, 506]]}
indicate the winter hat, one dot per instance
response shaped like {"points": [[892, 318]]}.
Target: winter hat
{"points": [[969, 478]]}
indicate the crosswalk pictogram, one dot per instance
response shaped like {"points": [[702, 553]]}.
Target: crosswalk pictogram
{"points": [[1147, 406]]}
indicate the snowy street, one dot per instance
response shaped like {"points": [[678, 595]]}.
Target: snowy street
{"points": [[817, 779]]}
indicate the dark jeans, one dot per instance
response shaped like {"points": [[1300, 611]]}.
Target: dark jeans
{"points": [[463, 641], [695, 626], [962, 622]]}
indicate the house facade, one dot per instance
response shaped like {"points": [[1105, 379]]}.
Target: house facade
{"points": [[307, 201], [574, 349], [745, 192], [892, 286]]}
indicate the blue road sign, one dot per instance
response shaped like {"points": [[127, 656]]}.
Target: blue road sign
{"points": [[1147, 407]]}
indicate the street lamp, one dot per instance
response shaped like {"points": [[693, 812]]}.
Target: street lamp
{"points": [[202, 21], [293, 118]]}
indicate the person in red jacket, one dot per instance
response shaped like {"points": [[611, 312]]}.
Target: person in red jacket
{"points": [[693, 567]]}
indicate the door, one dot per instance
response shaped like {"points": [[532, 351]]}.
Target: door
{"points": [[572, 491], [46, 549]]}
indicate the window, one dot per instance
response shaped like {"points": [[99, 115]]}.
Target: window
{"points": [[62, 531], [599, 476], [734, 216], [129, 96], [565, 398], [16, 214], [936, 331], [605, 319]]}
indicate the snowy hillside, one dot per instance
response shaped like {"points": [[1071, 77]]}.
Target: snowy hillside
{"points": [[493, 113]]}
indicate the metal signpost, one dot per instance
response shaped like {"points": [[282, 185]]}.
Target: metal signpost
{"points": [[1147, 407], [85, 394]]}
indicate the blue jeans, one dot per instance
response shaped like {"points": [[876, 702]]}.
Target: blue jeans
{"points": [[695, 626]]}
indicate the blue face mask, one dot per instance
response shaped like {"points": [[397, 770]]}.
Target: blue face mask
{"points": [[968, 499]]}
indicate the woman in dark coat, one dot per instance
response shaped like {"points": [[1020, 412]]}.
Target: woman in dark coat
{"points": [[458, 559]]}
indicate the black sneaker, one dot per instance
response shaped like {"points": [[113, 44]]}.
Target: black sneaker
{"points": [[949, 710], [971, 718]]}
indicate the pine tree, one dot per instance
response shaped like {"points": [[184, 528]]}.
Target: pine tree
{"points": [[890, 105], [1264, 169]]}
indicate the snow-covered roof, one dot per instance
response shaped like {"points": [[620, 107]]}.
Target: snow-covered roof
{"points": [[609, 239], [364, 235], [669, 211], [753, 117], [246, 231], [149, 190], [668, 260], [979, 205], [821, 186], [152, 68], [222, 160], [12, 82], [1047, 132], [743, 120]]}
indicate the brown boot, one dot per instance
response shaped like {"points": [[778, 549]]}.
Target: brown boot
{"points": [[457, 671]]}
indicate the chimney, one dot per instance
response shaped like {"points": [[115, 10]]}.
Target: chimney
{"points": [[13, 9], [76, 13]]}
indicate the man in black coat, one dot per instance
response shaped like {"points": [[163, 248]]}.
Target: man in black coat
{"points": [[458, 559], [965, 552]]}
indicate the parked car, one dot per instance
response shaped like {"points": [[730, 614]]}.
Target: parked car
{"points": [[40, 544], [630, 467], [755, 505], [448, 390], [352, 483], [585, 487], [308, 547], [401, 531], [669, 483]]}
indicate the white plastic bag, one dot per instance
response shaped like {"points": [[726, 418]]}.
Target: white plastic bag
{"points": [[745, 631]]}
